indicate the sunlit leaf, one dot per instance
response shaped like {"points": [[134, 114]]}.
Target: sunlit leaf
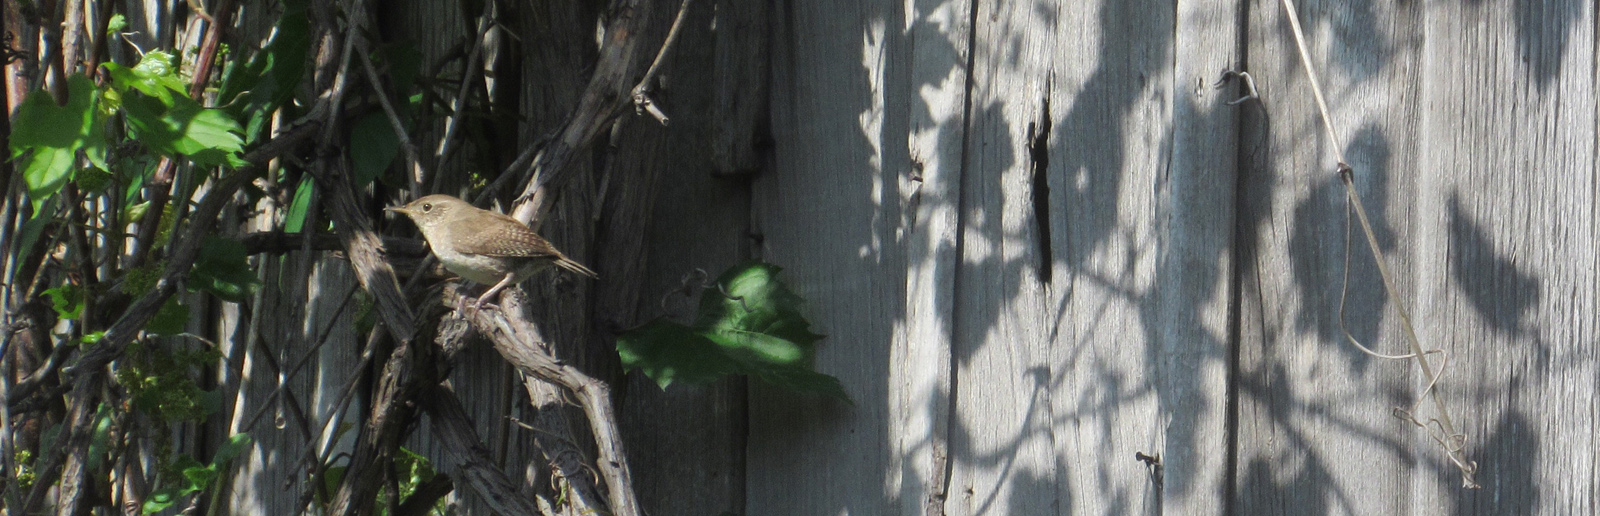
{"points": [[667, 351], [67, 300], [749, 323], [49, 137]]}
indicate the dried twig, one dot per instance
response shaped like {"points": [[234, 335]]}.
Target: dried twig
{"points": [[469, 74], [414, 179], [1452, 441], [608, 92], [641, 92]]}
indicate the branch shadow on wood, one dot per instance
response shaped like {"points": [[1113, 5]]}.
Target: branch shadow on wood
{"points": [[1292, 477]]}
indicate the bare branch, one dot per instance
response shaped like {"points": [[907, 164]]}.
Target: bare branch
{"points": [[519, 342], [641, 92]]}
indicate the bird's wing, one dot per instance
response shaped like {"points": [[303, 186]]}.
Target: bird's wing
{"points": [[512, 238]]}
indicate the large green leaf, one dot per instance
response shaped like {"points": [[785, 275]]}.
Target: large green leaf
{"points": [[749, 323], [373, 146], [255, 90], [54, 135], [667, 351], [161, 115]]}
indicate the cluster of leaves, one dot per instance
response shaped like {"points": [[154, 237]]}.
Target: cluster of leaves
{"points": [[188, 476], [748, 323], [160, 381], [107, 139], [157, 112]]}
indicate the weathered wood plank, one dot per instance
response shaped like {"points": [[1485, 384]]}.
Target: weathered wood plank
{"points": [[920, 370], [740, 82], [685, 444], [829, 211], [1506, 247], [1195, 308], [1002, 442], [1060, 350], [1315, 434]]}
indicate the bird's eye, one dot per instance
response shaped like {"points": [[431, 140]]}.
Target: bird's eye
{"points": [[427, 207]]}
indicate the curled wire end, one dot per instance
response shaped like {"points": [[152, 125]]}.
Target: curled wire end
{"points": [[1249, 85]]}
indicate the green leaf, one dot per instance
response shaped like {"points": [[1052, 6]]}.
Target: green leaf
{"points": [[33, 229], [164, 118], [116, 24], [405, 63], [750, 298], [170, 319], [54, 135], [160, 500], [332, 477], [206, 136], [156, 75], [67, 300], [373, 146], [200, 477], [94, 180], [750, 323], [236, 445], [223, 269], [254, 91], [294, 221], [667, 351], [97, 440]]}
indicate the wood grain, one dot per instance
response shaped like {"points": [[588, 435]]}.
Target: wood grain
{"points": [[1505, 252], [829, 212]]}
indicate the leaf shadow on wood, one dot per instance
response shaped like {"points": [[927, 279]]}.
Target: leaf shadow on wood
{"points": [[1543, 33], [1294, 477], [1502, 293], [1359, 45], [1319, 239], [1509, 468]]}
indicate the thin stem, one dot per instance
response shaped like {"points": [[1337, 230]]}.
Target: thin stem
{"points": [[1347, 176]]}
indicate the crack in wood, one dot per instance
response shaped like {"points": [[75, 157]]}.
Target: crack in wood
{"points": [[1039, 156]]}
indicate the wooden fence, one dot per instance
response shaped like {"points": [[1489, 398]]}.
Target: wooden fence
{"points": [[1059, 269]]}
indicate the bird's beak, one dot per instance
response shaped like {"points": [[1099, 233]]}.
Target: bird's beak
{"points": [[398, 209]]}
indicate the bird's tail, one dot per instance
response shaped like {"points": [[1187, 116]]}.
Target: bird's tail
{"points": [[568, 264]]}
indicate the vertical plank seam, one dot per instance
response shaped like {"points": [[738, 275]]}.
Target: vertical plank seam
{"points": [[1230, 472], [935, 502]]}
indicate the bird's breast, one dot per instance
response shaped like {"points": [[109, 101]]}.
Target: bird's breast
{"points": [[476, 268]]}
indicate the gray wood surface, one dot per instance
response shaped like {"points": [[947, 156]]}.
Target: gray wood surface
{"points": [[920, 365], [828, 211], [1315, 432], [687, 442], [1196, 274], [1505, 251], [1039, 242]]}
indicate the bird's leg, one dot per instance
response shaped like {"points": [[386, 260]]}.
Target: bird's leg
{"points": [[496, 289]]}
